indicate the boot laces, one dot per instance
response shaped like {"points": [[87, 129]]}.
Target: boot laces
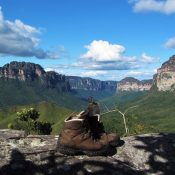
{"points": [[94, 128], [85, 132]]}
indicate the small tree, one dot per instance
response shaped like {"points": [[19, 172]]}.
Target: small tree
{"points": [[27, 120]]}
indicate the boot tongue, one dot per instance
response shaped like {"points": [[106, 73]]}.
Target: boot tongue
{"points": [[93, 109]]}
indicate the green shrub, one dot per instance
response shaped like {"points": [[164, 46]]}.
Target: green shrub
{"points": [[27, 120], [43, 127], [10, 126]]}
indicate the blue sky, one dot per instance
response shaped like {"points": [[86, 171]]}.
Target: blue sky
{"points": [[103, 39]]}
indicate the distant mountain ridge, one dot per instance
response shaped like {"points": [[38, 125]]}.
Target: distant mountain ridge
{"points": [[25, 83], [30, 72], [37, 84], [86, 83], [26, 71], [133, 84]]}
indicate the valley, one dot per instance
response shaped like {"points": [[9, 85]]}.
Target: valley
{"points": [[55, 96]]}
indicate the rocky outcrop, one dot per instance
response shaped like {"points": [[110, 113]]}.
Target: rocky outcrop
{"points": [[80, 83], [29, 155], [30, 72], [132, 84], [22, 71], [164, 80]]}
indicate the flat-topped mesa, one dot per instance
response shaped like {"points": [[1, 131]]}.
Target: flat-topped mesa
{"points": [[132, 84], [29, 72], [22, 71], [165, 77]]}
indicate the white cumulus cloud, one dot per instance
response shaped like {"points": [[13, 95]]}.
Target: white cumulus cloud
{"points": [[93, 73], [170, 44], [19, 39], [48, 69], [102, 55], [93, 66], [147, 59], [137, 73], [103, 51], [163, 6]]}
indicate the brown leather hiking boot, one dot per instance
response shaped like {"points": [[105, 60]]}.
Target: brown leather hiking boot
{"points": [[75, 139], [96, 128]]}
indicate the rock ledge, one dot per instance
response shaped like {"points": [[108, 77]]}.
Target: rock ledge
{"points": [[33, 154]]}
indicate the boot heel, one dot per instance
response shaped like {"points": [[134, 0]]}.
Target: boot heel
{"points": [[66, 150]]}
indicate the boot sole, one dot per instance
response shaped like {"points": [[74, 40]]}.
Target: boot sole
{"points": [[114, 143], [118, 143], [73, 151]]}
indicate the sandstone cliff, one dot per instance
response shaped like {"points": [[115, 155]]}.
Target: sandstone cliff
{"points": [[22, 71], [25, 71], [91, 84], [30, 72], [132, 84], [152, 154], [164, 80]]}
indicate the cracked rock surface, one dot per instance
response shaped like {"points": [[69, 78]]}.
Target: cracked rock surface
{"points": [[38, 155]]}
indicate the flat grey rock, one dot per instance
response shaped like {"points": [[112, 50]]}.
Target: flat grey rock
{"points": [[142, 154]]}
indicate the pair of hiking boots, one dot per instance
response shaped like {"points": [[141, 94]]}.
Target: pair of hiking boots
{"points": [[85, 134]]}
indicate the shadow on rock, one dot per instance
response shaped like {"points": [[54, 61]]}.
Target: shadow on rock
{"points": [[57, 164], [121, 143], [19, 166], [113, 150], [87, 166], [161, 150]]}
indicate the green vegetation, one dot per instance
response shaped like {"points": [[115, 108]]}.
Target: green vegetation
{"points": [[155, 112], [15, 92], [98, 95], [113, 122], [49, 112], [27, 120], [121, 98], [157, 109]]}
